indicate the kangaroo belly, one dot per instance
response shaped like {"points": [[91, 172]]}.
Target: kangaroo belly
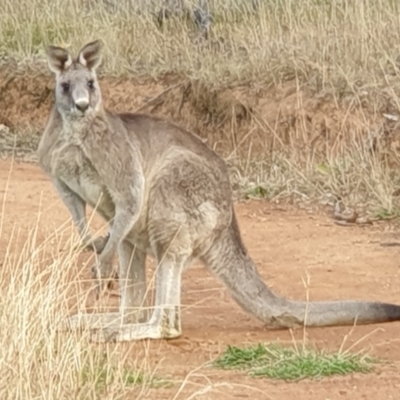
{"points": [[87, 189]]}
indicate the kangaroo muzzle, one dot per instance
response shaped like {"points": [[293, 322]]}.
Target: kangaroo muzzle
{"points": [[82, 104]]}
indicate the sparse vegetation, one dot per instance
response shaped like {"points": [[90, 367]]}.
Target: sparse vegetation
{"points": [[279, 362], [351, 47]]}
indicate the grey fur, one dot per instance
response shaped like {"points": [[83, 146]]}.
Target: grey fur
{"points": [[166, 194]]}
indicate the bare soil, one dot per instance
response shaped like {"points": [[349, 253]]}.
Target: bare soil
{"points": [[286, 244]]}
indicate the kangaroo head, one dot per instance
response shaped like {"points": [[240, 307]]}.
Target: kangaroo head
{"points": [[77, 89]]}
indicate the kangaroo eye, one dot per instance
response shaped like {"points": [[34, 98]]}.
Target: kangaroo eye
{"points": [[90, 84], [65, 87]]}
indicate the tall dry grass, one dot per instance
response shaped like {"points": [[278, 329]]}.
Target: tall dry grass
{"points": [[347, 45], [359, 176], [39, 287]]}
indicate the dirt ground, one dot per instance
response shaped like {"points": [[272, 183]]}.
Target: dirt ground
{"points": [[286, 243]]}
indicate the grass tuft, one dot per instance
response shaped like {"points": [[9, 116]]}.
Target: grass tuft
{"points": [[40, 285], [278, 362]]}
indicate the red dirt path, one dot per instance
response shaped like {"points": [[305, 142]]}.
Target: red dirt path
{"points": [[342, 262]]}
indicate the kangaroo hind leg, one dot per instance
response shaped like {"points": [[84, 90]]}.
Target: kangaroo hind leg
{"points": [[165, 322]]}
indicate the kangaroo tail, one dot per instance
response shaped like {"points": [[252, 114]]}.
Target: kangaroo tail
{"points": [[229, 260]]}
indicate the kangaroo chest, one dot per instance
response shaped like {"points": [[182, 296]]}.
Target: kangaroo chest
{"points": [[75, 170]]}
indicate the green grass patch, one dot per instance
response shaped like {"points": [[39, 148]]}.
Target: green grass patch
{"points": [[278, 362]]}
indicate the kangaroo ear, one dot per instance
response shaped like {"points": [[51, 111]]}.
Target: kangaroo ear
{"points": [[58, 58], [90, 55]]}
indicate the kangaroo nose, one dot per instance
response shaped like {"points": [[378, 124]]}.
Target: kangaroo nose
{"points": [[82, 104]]}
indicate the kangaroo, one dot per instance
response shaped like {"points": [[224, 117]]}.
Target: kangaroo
{"points": [[165, 194]]}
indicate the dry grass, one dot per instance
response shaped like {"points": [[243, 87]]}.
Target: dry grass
{"points": [[349, 46], [36, 360], [344, 54], [355, 176]]}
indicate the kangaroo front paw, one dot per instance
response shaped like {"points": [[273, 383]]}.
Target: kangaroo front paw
{"points": [[105, 275], [97, 244]]}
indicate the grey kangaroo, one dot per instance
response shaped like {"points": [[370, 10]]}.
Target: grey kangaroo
{"points": [[164, 194]]}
